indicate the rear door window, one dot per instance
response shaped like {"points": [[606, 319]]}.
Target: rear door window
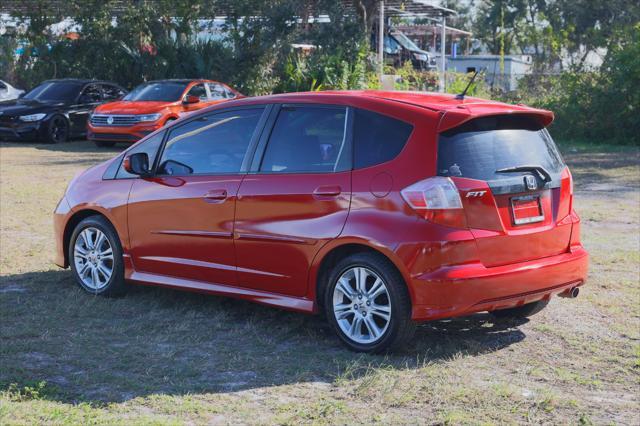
{"points": [[217, 91], [308, 139], [91, 94], [111, 93], [478, 149], [377, 138]]}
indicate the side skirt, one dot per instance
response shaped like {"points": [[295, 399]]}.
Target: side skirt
{"points": [[297, 304]]}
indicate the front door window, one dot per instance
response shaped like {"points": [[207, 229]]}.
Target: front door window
{"points": [[214, 144]]}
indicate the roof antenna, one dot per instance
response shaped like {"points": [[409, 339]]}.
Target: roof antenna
{"points": [[460, 96]]}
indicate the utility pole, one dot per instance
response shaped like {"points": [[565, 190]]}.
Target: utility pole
{"points": [[381, 40], [443, 62]]}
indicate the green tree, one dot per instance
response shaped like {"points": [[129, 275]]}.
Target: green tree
{"points": [[553, 30], [495, 24]]}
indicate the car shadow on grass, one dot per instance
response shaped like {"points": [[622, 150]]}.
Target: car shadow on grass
{"points": [[82, 348]]}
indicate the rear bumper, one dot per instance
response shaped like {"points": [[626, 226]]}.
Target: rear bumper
{"points": [[465, 289]]}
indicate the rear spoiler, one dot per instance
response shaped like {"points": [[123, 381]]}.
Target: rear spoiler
{"points": [[461, 114]]}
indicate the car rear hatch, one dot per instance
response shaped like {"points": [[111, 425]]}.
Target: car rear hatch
{"points": [[515, 188]]}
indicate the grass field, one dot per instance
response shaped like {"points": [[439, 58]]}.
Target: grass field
{"points": [[164, 357]]}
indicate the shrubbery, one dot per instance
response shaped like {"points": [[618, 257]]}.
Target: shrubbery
{"points": [[594, 105]]}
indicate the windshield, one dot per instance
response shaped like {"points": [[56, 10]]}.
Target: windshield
{"points": [[391, 45], [405, 41], [55, 91], [483, 146], [159, 91]]}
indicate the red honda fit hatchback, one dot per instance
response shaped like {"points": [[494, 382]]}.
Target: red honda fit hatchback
{"points": [[381, 209]]}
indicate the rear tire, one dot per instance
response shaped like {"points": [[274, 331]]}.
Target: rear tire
{"points": [[524, 311], [95, 256], [104, 144], [368, 305]]}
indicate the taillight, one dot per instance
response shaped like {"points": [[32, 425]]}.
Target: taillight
{"points": [[566, 194], [436, 199]]}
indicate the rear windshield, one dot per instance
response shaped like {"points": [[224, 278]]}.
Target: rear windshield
{"points": [[482, 146]]}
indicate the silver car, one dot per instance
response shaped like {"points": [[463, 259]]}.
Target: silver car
{"points": [[8, 92]]}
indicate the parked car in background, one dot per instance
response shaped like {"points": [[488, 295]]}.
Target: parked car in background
{"points": [[55, 110], [381, 209], [150, 106], [399, 48], [8, 92]]}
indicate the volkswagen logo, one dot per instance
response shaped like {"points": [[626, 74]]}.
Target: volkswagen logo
{"points": [[110, 121], [530, 182]]}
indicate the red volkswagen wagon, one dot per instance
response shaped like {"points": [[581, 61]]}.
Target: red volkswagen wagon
{"points": [[382, 209]]}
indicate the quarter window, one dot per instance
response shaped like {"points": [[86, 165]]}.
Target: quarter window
{"points": [[213, 144], [308, 139], [377, 138], [229, 93]]}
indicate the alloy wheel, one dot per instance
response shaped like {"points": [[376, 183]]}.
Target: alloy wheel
{"points": [[58, 130], [93, 258], [361, 305]]}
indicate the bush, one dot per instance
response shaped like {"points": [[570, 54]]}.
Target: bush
{"points": [[598, 105]]}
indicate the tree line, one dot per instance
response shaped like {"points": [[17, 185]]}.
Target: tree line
{"points": [[131, 41]]}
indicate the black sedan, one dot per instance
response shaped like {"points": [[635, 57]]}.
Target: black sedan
{"points": [[55, 110]]}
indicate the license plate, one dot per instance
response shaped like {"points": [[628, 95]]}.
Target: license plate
{"points": [[526, 209]]}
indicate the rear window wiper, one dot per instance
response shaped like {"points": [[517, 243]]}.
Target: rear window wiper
{"points": [[542, 172]]}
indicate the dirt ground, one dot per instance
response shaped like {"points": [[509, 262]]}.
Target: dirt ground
{"points": [[164, 357]]}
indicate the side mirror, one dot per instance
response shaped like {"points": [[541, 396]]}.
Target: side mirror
{"points": [[137, 164], [190, 99]]}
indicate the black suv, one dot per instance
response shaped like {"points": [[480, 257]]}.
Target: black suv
{"points": [[55, 110]]}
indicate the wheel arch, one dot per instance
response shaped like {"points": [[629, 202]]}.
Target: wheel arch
{"points": [[71, 224], [331, 253], [44, 132]]}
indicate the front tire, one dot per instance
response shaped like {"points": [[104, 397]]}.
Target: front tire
{"points": [[57, 130], [520, 312], [95, 256], [368, 305]]}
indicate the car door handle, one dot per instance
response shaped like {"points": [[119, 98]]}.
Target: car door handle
{"points": [[327, 191], [215, 195]]}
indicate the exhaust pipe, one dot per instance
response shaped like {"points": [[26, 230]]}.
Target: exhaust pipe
{"points": [[571, 293]]}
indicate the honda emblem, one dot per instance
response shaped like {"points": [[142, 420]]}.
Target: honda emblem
{"points": [[530, 182]]}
